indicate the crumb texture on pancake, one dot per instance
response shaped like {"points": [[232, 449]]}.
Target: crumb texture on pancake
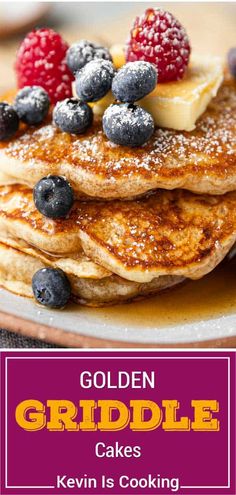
{"points": [[202, 161], [168, 233]]}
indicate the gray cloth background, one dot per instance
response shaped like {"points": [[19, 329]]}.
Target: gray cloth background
{"points": [[10, 340]]}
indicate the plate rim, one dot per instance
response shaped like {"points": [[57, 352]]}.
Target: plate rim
{"points": [[68, 339]]}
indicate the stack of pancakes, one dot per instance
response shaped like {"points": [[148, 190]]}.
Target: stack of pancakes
{"points": [[145, 219]]}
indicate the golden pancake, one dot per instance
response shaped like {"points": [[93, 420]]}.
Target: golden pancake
{"points": [[203, 160], [19, 262], [168, 233]]}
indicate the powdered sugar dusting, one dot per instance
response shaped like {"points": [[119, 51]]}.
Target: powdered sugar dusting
{"points": [[159, 38], [204, 157], [134, 81], [127, 114], [82, 52], [94, 80], [41, 61]]}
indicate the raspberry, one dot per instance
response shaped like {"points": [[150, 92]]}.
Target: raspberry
{"points": [[41, 62], [159, 38]]}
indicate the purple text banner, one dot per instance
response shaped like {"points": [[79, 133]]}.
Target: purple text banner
{"points": [[117, 422]]}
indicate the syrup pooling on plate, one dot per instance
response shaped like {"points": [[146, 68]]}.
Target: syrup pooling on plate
{"points": [[213, 296]]}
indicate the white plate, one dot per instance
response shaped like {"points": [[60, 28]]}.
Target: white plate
{"points": [[104, 324]]}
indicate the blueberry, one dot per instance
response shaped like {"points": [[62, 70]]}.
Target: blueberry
{"points": [[72, 116], [134, 81], [94, 80], [53, 196], [32, 104], [51, 287], [9, 121], [232, 61], [127, 124], [82, 52]]}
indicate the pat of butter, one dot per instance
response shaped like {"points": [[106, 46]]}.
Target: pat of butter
{"points": [[178, 105], [118, 55]]}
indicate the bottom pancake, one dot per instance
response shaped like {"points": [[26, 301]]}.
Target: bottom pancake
{"points": [[17, 268]]}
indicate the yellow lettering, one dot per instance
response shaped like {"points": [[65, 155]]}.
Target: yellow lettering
{"points": [[139, 408], [108, 407], [171, 423], [30, 415], [88, 424], [62, 413], [203, 415]]}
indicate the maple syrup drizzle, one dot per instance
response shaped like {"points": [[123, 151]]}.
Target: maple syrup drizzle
{"points": [[212, 296]]}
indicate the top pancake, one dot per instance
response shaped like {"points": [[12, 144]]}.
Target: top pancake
{"points": [[203, 161]]}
